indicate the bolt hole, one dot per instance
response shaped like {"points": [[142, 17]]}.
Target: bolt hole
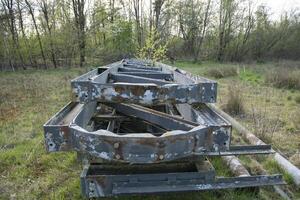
{"points": [[51, 144], [225, 143]]}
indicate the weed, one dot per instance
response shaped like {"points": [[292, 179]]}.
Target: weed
{"points": [[283, 78], [234, 103], [297, 99], [250, 76], [221, 72], [272, 166], [264, 126]]}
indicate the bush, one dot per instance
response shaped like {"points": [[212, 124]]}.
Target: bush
{"points": [[153, 49], [297, 99], [221, 72], [235, 105], [283, 78]]}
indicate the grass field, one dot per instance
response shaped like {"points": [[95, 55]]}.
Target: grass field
{"points": [[271, 109]]}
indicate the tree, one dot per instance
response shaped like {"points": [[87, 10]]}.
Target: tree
{"points": [[152, 50], [9, 11], [227, 11], [194, 20], [80, 22], [48, 12], [31, 12]]}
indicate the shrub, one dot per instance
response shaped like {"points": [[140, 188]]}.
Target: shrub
{"points": [[297, 99], [283, 78], [265, 124], [221, 72], [235, 105], [153, 49]]}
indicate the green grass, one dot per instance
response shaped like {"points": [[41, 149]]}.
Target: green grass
{"points": [[29, 98]]}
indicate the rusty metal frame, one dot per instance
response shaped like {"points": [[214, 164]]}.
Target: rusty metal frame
{"points": [[179, 130], [67, 131], [129, 82]]}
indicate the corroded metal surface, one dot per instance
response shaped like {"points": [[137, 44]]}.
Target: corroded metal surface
{"points": [[143, 85], [182, 138], [109, 180], [145, 127]]}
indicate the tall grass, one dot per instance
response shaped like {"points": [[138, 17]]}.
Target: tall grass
{"points": [[283, 78], [234, 104], [221, 72]]}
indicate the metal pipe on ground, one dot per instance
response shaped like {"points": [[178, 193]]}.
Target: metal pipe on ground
{"points": [[291, 169], [277, 188], [235, 166], [238, 169]]}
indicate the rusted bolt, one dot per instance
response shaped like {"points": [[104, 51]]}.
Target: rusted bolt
{"points": [[118, 156], [116, 145], [161, 157]]}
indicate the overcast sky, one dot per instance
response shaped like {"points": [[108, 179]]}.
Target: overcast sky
{"points": [[279, 6]]}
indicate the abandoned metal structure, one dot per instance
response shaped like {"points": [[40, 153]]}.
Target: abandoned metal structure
{"points": [[142, 128]]}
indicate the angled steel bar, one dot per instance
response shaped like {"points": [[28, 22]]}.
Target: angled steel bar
{"points": [[219, 183], [144, 70], [159, 118], [150, 74], [107, 180], [117, 77], [137, 66]]}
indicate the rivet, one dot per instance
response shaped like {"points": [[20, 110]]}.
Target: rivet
{"points": [[116, 145], [161, 157], [118, 156]]}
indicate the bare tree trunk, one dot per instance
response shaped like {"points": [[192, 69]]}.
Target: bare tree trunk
{"points": [[28, 49], [9, 11], [136, 7], [6, 50], [157, 10], [30, 9], [204, 28], [78, 8], [112, 10], [45, 9]]}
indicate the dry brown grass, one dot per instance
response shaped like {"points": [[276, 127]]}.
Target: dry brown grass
{"points": [[234, 104], [264, 125], [218, 72], [283, 78], [297, 98]]}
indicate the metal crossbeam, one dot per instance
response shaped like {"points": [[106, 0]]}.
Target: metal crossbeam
{"points": [[117, 77]]}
